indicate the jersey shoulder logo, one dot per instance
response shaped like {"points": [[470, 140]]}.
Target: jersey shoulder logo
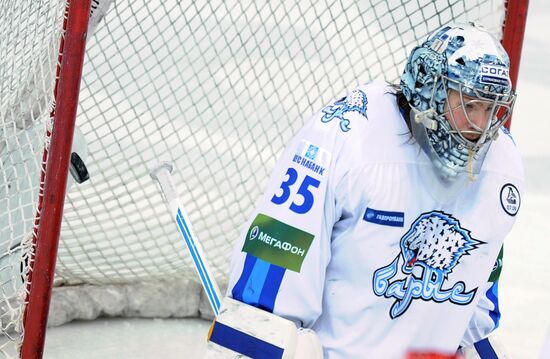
{"points": [[430, 250], [510, 200], [355, 102]]}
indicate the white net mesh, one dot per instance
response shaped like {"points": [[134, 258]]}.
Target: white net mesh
{"points": [[30, 33], [217, 87]]}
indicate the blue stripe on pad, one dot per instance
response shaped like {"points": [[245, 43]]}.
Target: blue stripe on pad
{"points": [[243, 343]]}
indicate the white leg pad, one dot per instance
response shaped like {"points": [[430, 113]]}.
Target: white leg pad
{"points": [[308, 345], [243, 331]]}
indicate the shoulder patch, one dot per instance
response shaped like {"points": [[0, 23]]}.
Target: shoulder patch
{"points": [[355, 102], [510, 199]]}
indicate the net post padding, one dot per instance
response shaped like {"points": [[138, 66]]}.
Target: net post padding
{"points": [[55, 180]]}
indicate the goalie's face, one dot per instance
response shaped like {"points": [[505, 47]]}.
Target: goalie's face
{"points": [[468, 116], [475, 120]]}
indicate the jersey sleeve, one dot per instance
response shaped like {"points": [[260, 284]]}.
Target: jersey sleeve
{"points": [[280, 259], [486, 315]]}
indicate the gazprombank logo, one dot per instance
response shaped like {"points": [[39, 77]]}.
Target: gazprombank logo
{"points": [[385, 218]]}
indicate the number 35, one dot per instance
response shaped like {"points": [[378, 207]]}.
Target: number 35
{"points": [[303, 190]]}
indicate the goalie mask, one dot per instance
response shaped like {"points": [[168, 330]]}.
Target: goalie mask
{"points": [[466, 63]]}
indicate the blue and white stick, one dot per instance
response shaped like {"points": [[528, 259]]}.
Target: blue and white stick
{"points": [[161, 172]]}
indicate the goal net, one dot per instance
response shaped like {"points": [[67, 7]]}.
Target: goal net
{"points": [[217, 87]]}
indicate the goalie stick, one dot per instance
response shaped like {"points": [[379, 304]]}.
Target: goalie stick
{"points": [[161, 172]]}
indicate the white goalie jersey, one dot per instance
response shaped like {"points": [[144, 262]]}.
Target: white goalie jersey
{"points": [[350, 239]]}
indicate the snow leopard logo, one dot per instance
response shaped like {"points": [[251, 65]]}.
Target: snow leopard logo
{"points": [[430, 249], [356, 101]]}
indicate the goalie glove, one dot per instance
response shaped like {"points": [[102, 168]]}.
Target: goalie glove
{"points": [[243, 330]]}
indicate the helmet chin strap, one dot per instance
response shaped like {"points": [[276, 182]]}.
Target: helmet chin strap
{"points": [[471, 154]]}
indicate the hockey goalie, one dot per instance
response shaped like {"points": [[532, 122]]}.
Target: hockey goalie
{"points": [[373, 238]]}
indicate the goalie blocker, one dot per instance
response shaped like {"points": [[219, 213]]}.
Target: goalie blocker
{"points": [[241, 329]]}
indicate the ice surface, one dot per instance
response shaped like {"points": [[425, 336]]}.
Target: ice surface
{"points": [[128, 338]]}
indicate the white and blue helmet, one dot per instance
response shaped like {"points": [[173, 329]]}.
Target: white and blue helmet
{"points": [[467, 59]]}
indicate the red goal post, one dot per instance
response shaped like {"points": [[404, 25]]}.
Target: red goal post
{"points": [[54, 176], [216, 86], [513, 31]]}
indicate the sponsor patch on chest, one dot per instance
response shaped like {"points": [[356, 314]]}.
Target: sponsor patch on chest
{"points": [[384, 218]]}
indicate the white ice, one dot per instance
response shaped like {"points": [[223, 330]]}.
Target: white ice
{"points": [[525, 281], [128, 338]]}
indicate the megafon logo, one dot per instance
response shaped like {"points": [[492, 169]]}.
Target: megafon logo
{"points": [[254, 232]]}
